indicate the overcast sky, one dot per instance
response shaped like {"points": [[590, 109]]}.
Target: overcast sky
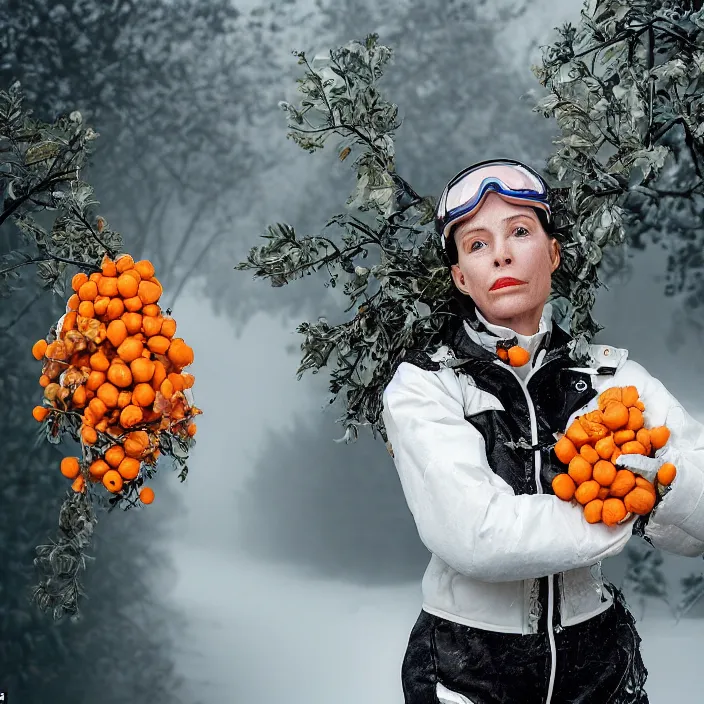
{"points": [[299, 564]]}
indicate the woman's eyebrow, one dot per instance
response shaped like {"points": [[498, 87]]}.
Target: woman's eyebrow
{"points": [[507, 219]]}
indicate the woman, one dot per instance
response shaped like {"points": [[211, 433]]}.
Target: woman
{"points": [[515, 608]]}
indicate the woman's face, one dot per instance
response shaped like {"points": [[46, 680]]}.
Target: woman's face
{"points": [[506, 240]]}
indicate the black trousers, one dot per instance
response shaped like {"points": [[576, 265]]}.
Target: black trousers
{"points": [[598, 662]]}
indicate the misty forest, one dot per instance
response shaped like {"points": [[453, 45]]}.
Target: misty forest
{"points": [[277, 166]]}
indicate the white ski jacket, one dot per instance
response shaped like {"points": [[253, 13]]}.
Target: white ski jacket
{"points": [[459, 423]]}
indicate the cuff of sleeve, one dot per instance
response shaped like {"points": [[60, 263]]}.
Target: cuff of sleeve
{"points": [[682, 506]]}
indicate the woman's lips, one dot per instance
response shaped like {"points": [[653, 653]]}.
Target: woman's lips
{"points": [[501, 283]]}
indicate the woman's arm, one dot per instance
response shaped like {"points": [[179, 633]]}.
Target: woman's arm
{"points": [[465, 513], [680, 513]]}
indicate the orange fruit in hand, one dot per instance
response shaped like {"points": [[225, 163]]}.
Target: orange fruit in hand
{"points": [[639, 501], [562, 485], [605, 447], [70, 467], [613, 511], [667, 473], [659, 436], [615, 415], [623, 482], [624, 435], [587, 491], [633, 447], [592, 510], [605, 397], [604, 472], [643, 437], [112, 481], [114, 456], [603, 493], [643, 483], [39, 349], [629, 396], [579, 469], [586, 451], [129, 468], [146, 495], [635, 419]]}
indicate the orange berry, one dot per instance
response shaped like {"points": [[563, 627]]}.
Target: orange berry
{"points": [[604, 472], [621, 436], [613, 511], [99, 468], [40, 413], [143, 395], [134, 304], [593, 509], [643, 437], [127, 285], [39, 349], [108, 394], [159, 375], [564, 447], [151, 325], [659, 436], [629, 396], [605, 447], [615, 415], [142, 370], [612, 394], [88, 291], [623, 482], [120, 375], [70, 467], [123, 263], [69, 322], [95, 276], [502, 354], [667, 473], [167, 389], [136, 444], [98, 408], [88, 435], [517, 356], [114, 456], [78, 280], [189, 380], [73, 302], [159, 344], [130, 416], [192, 429], [95, 379], [577, 434], [603, 493], [579, 469], [133, 322], [107, 286], [79, 484], [108, 267], [639, 501], [152, 310], [589, 454], [124, 399], [117, 333], [116, 308], [112, 481], [134, 274], [635, 419], [129, 468], [643, 483], [146, 495], [145, 268], [44, 381], [562, 485], [149, 292], [176, 381], [587, 491], [181, 354], [130, 349], [168, 327], [640, 406], [99, 362], [633, 447]]}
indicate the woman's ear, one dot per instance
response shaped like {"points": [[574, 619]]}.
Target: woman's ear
{"points": [[555, 254], [458, 278]]}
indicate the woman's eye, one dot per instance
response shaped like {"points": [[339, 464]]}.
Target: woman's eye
{"points": [[471, 247], [520, 227]]}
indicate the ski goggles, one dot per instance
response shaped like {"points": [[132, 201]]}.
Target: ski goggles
{"points": [[513, 181]]}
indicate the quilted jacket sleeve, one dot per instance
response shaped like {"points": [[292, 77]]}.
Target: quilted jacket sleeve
{"points": [[467, 515], [676, 524]]}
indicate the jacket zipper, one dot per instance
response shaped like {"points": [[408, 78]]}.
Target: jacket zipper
{"points": [[539, 488]]}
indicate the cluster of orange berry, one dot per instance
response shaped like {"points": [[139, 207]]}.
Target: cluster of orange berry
{"points": [[116, 365], [591, 446], [515, 355]]}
